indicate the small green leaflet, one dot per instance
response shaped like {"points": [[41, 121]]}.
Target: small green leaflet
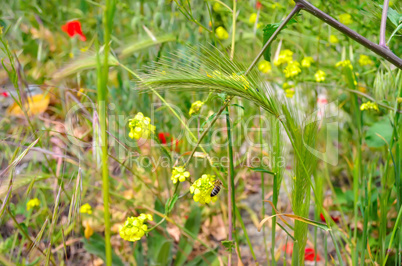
{"points": [[228, 244], [269, 29]]}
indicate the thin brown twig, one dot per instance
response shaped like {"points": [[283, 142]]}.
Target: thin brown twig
{"points": [[382, 51]]}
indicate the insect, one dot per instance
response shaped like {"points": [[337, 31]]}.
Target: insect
{"points": [[217, 188]]}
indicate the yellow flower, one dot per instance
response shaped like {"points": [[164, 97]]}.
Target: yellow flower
{"points": [[140, 127], [134, 227], [86, 208], [369, 106], [345, 19], [221, 33], [202, 188], [242, 79], [333, 39], [32, 203], [195, 107], [320, 76], [253, 18], [289, 93], [217, 7], [179, 174], [344, 63], [88, 232], [264, 66], [276, 5], [306, 62], [285, 56], [292, 69], [364, 60]]}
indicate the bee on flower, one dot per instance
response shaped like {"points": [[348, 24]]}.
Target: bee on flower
{"points": [[179, 174], [320, 76], [292, 69], [345, 19], [369, 106], [265, 67], [32, 203], [140, 127], [134, 227], [306, 62], [285, 56], [202, 188], [364, 60], [221, 33], [86, 208], [195, 107]]}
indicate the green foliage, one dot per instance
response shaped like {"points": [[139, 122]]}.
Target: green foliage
{"points": [[96, 246]]}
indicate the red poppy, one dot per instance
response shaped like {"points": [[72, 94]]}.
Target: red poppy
{"points": [[309, 253], [258, 5], [162, 137], [5, 94], [335, 219], [72, 28], [165, 138]]}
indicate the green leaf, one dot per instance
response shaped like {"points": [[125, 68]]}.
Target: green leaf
{"points": [[237, 105], [193, 225], [382, 128], [393, 16], [96, 246], [206, 259], [165, 255], [170, 203], [257, 169], [139, 254], [228, 244], [268, 31]]}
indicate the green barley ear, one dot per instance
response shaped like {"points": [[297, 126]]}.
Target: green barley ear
{"points": [[302, 136], [208, 69]]}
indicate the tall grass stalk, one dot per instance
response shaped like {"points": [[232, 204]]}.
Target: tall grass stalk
{"points": [[276, 158], [103, 74]]}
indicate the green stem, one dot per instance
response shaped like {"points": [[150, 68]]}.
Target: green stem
{"points": [[102, 103]]}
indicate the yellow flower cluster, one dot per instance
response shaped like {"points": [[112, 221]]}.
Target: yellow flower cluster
{"points": [[289, 90], [140, 127], [134, 228], [285, 56], [344, 63], [369, 106], [179, 174], [345, 19], [289, 93], [201, 189], [195, 107], [221, 33], [86, 208], [364, 60], [320, 76], [292, 69], [32, 203], [306, 62], [264, 66], [333, 39]]}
